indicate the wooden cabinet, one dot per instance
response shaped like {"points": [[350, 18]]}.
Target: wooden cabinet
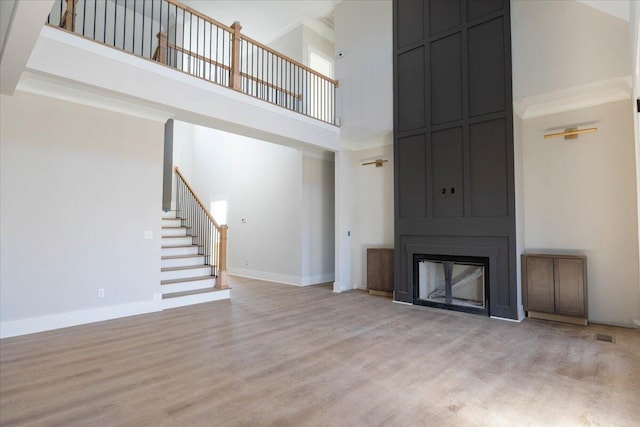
{"points": [[555, 287], [380, 271]]}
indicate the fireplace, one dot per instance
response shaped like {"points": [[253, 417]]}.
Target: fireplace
{"points": [[459, 283]]}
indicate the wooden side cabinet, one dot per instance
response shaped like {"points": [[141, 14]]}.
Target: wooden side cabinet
{"points": [[554, 287], [380, 271]]}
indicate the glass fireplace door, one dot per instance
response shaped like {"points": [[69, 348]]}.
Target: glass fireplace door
{"points": [[457, 284]]}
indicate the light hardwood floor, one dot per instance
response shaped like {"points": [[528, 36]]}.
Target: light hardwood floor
{"points": [[286, 356]]}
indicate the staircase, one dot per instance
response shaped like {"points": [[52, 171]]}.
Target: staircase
{"points": [[186, 279]]}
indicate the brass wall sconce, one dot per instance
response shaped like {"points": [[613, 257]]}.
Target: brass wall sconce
{"points": [[377, 162], [571, 133]]}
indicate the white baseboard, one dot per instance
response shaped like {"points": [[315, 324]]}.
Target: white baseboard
{"points": [[267, 276], [32, 325], [521, 316], [521, 313], [320, 278], [507, 319], [281, 278], [196, 299]]}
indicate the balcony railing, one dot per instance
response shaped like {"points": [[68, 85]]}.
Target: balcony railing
{"points": [[180, 37]]}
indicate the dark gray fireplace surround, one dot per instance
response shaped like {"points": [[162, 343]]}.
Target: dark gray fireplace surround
{"points": [[494, 248], [453, 142]]}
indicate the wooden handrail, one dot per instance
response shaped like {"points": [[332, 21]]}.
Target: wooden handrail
{"points": [[195, 195], [200, 14], [197, 55], [221, 268], [305, 80], [250, 40], [226, 67], [293, 61], [272, 86]]}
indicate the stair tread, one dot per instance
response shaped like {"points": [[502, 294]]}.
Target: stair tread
{"points": [[187, 293], [181, 256], [176, 237], [188, 279], [180, 246], [174, 227], [186, 267]]}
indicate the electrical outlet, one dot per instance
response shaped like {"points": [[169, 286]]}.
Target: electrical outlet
{"points": [[148, 235], [101, 293]]}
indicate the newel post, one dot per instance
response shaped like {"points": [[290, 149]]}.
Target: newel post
{"points": [[161, 56], [222, 269], [236, 78], [68, 21]]}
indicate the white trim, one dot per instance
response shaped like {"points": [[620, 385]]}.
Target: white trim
{"points": [[37, 85], [619, 9], [402, 302], [317, 279], [375, 141], [282, 278], [521, 313], [320, 28], [183, 301], [506, 319], [574, 98], [32, 325], [321, 155], [266, 276]]}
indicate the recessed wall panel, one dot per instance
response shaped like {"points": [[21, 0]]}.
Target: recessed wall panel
{"points": [[487, 81], [410, 22], [443, 15], [478, 8], [488, 168], [447, 173], [446, 79], [412, 176], [411, 90]]}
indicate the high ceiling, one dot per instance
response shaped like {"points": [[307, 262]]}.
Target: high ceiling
{"points": [[263, 20], [618, 8]]}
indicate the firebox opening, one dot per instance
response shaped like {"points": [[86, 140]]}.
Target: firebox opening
{"points": [[452, 282]]}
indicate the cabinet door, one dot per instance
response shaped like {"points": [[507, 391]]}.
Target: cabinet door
{"points": [[539, 281], [374, 262], [387, 270], [569, 292]]}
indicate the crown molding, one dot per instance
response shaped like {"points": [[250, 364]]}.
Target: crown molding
{"points": [[574, 98]]}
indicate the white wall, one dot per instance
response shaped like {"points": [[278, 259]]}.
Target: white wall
{"points": [[580, 195], [290, 44], [363, 34], [315, 42], [20, 31], [79, 187], [562, 44], [518, 154], [345, 219], [263, 183], [635, 68], [374, 213], [318, 219]]}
